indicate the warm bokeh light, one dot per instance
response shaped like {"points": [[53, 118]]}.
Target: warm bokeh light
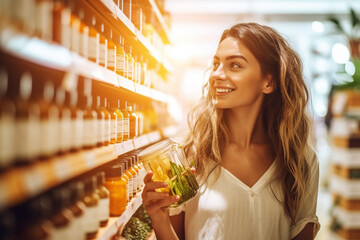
{"points": [[340, 53], [317, 26]]}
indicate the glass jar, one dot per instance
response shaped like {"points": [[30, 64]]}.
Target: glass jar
{"points": [[168, 163]]}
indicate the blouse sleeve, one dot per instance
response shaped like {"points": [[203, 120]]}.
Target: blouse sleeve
{"points": [[307, 209]]}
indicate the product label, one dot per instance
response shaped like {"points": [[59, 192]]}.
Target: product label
{"points": [[120, 127], [91, 219], [65, 131], [94, 48], [44, 19], [134, 185], [28, 138], [65, 28], [75, 37], [120, 63], [77, 228], [84, 41], [101, 130], [90, 132], [103, 54], [113, 128], [130, 70], [107, 130], [111, 58], [128, 191], [131, 187], [77, 133], [104, 209], [126, 126], [49, 137], [7, 140]]}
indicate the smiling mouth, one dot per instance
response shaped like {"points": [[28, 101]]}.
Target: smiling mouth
{"points": [[224, 90]]}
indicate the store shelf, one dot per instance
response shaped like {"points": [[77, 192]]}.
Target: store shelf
{"points": [[116, 224], [60, 58], [119, 20], [161, 20], [21, 183]]}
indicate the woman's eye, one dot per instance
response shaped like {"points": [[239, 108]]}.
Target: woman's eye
{"points": [[215, 65], [235, 65]]}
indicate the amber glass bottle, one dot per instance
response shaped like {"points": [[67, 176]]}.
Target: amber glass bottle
{"points": [[77, 121], [90, 124], [100, 122], [91, 201], [27, 123], [113, 124], [7, 124], [35, 222], [116, 184], [107, 115], [61, 214], [120, 59], [133, 173], [78, 209], [64, 122], [133, 119], [103, 56], [104, 204], [130, 177], [126, 123], [119, 122]]}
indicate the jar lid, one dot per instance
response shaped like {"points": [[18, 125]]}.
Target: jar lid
{"points": [[115, 170], [154, 150]]}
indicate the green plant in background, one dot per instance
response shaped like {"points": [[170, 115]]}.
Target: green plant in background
{"points": [[353, 39]]}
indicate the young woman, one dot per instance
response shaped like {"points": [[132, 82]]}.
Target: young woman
{"points": [[248, 137]]}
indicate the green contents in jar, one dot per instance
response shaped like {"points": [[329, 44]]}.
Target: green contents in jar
{"points": [[182, 183]]}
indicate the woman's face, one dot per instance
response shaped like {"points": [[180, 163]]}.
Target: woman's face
{"points": [[236, 78]]}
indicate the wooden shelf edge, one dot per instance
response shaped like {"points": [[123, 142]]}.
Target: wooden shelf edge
{"points": [[20, 183]]}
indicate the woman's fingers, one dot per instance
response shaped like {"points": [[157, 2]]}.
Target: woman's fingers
{"points": [[153, 208], [150, 197], [148, 177]]}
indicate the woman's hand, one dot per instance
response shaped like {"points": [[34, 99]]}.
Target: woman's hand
{"points": [[156, 203]]}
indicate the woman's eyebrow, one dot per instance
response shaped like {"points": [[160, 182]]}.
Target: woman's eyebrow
{"points": [[232, 57]]}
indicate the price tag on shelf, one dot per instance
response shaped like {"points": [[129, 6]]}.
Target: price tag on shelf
{"points": [[62, 169], [141, 141], [34, 181], [154, 136], [119, 149], [126, 83], [90, 160], [128, 146]]}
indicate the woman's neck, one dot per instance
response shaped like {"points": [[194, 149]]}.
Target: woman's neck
{"points": [[246, 126]]}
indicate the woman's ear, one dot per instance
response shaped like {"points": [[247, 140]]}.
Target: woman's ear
{"points": [[269, 85]]}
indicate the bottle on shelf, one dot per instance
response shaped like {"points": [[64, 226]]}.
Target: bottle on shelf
{"points": [[130, 176], [119, 122], [91, 200], [116, 183], [44, 19], [140, 119], [133, 173], [131, 63], [49, 121], [27, 123], [100, 122], [90, 123], [84, 40], [77, 121], [103, 56], [75, 33], [126, 123], [127, 5], [7, 124], [104, 201], [111, 53], [64, 122], [94, 43], [35, 221], [137, 169], [113, 124], [133, 119], [61, 216], [107, 116], [61, 24], [121, 58], [78, 209]]}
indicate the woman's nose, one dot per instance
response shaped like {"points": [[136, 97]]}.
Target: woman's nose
{"points": [[219, 72]]}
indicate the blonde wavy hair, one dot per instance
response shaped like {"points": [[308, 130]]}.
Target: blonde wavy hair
{"points": [[284, 111]]}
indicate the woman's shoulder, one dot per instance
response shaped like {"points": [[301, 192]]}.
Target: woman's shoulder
{"points": [[311, 157]]}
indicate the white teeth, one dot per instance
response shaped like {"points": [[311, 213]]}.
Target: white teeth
{"points": [[221, 90]]}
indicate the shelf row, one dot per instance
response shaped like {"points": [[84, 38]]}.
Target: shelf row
{"points": [[20, 183], [114, 15], [42, 53]]}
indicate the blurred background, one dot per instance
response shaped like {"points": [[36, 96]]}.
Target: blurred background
{"points": [[85, 85]]}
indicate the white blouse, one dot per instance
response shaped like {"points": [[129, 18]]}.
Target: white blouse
{"points": [[230, 210]]}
